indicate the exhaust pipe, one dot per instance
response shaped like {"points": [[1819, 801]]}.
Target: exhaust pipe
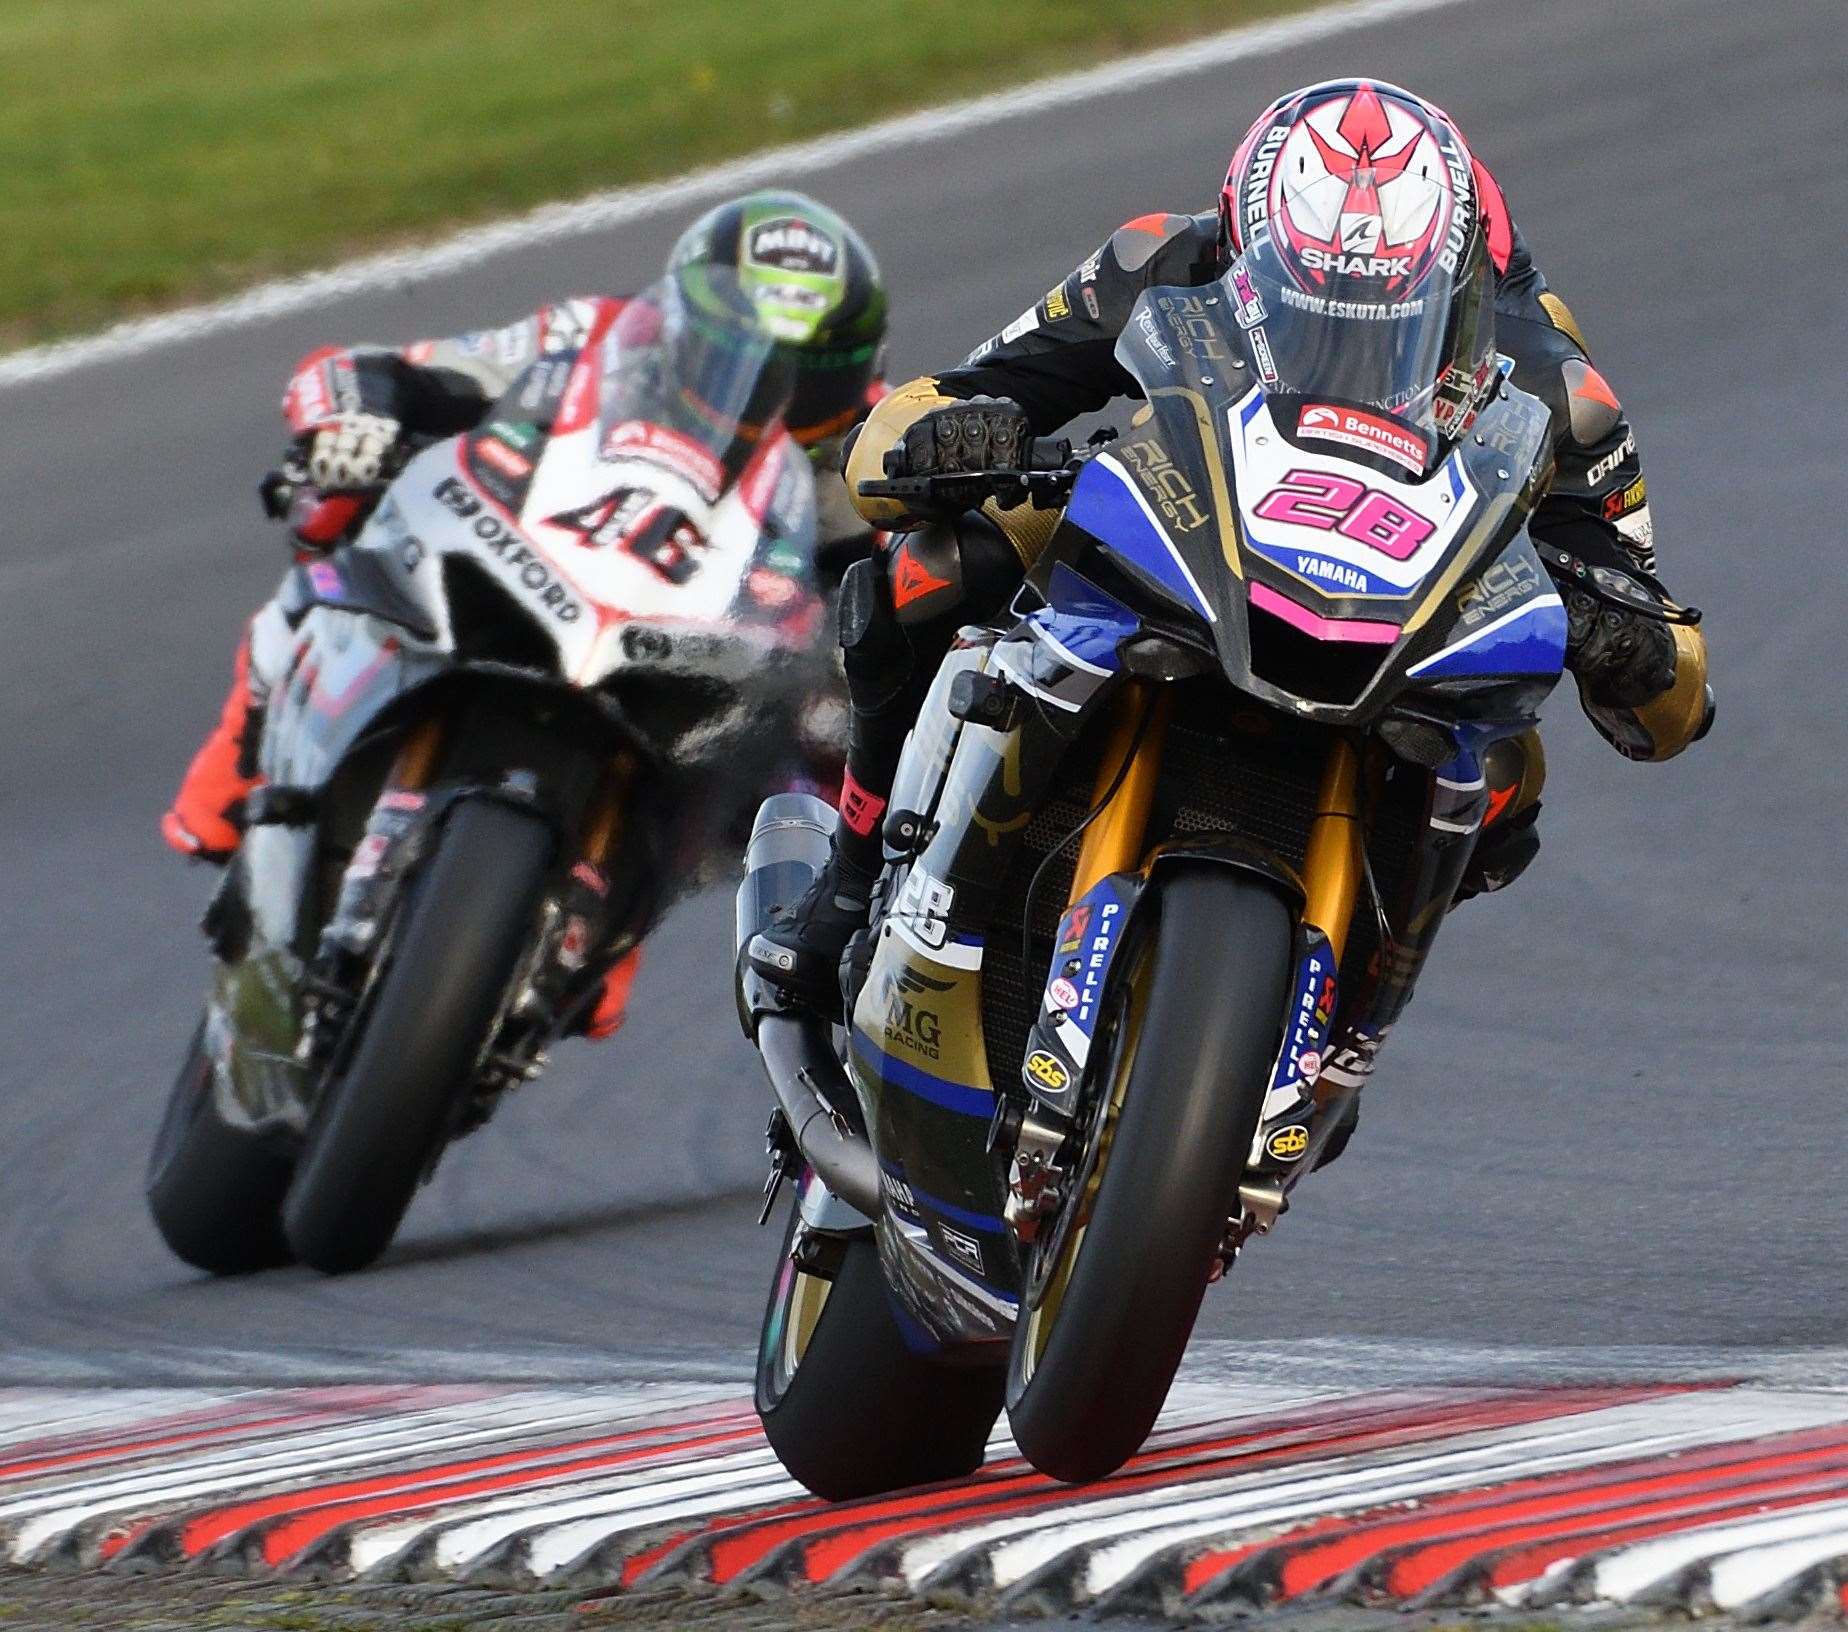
{"points": [[789, 846]]}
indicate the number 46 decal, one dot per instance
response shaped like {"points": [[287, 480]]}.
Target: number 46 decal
{"points": [[1339, 504]]}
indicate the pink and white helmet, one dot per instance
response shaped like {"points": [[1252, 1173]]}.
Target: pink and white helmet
{"points": [[1359, 172], [1353, 214]]}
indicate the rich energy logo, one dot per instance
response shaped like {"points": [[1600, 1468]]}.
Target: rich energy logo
{"points": [[1165, 483], [523, 567]]}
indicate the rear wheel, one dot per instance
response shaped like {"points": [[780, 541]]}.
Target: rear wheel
{"points": [[1114, 1282], [466, 924], [849, 1408], [215, 1189]]}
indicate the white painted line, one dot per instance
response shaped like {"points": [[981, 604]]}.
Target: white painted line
{"points": [[553, 223], [29, 1417], [1660, 1426], [376, 1542], [557, 1549], [1117, 1546], [49, 1516], [1624, 1575], [1744, 1577], [461, 1546], [1128, 1531]]}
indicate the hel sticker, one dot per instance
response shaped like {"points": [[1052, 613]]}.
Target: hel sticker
{"points": [[1063, 993], [574, 943], [1048, 1070]]}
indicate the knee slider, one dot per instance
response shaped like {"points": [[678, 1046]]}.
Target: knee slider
{"points": [[874, 651]]}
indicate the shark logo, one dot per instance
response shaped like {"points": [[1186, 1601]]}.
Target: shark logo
{"points": [[1370, 183]]}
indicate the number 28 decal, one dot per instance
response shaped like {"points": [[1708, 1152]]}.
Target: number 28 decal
{"points": [[1339, 504]]}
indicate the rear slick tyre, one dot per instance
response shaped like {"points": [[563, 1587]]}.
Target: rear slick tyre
{"points": [[215, 1189], [467, 922], [1111, 1295], [848, 1407]]}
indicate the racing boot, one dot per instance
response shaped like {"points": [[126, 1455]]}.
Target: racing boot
{"points": [[613, 1001], [801, 951], [206, 820]]}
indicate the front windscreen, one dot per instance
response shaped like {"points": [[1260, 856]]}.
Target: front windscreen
{"points": [[1354, 333], [691, 370]]}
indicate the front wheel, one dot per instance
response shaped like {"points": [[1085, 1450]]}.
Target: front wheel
{"points": [[1114, 1281], [849, 1408], [467, 922], [215, 1189]]}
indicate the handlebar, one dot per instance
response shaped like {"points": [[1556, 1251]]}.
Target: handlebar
{"points": [[1046, 480], [1633, 592]]}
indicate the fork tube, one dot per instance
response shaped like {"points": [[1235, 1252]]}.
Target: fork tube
{"points": [[1332, 865], [417, 757], [603, 823], [1115, 841]]}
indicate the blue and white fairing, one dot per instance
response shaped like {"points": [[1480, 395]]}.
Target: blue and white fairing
{"points": [[1329, 579]]}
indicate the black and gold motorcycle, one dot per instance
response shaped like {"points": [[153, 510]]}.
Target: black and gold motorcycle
{"points": [[1168, 848]]}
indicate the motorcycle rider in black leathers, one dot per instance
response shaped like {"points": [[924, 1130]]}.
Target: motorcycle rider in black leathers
{"points": [[1643, 683]]}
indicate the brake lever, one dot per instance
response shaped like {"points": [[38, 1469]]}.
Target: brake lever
{"points": [[1635, 597], [1046, 488]]}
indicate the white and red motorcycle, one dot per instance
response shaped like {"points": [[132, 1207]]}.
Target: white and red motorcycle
{"points": [[565, 653]]}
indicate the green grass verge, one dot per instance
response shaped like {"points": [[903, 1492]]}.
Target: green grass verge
{"points": [[158, 151]]}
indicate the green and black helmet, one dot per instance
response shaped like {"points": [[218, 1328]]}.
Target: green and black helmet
{"points": [[816, 290]]}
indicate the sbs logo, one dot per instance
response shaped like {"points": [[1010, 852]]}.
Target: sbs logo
{"points": [[1288, 1144], [1048, 1070]]}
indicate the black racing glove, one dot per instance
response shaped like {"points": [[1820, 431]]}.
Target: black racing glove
{"points": [[977, 436], [1624, 659]]}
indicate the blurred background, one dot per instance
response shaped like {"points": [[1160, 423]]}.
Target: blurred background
{"points": [[1613, 1120]]}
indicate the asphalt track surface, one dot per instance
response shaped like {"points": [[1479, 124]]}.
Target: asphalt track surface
{"points": [[1609, 1132]]}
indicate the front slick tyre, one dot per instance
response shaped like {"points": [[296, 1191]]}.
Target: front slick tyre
{"points": [[1115, 1279], [215, 1189], [466, 924], [848, 1408]]}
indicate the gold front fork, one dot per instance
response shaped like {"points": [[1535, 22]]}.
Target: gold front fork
{"points": [[1332, 865], [416, 761], [603, 822], [1115, 841]]}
